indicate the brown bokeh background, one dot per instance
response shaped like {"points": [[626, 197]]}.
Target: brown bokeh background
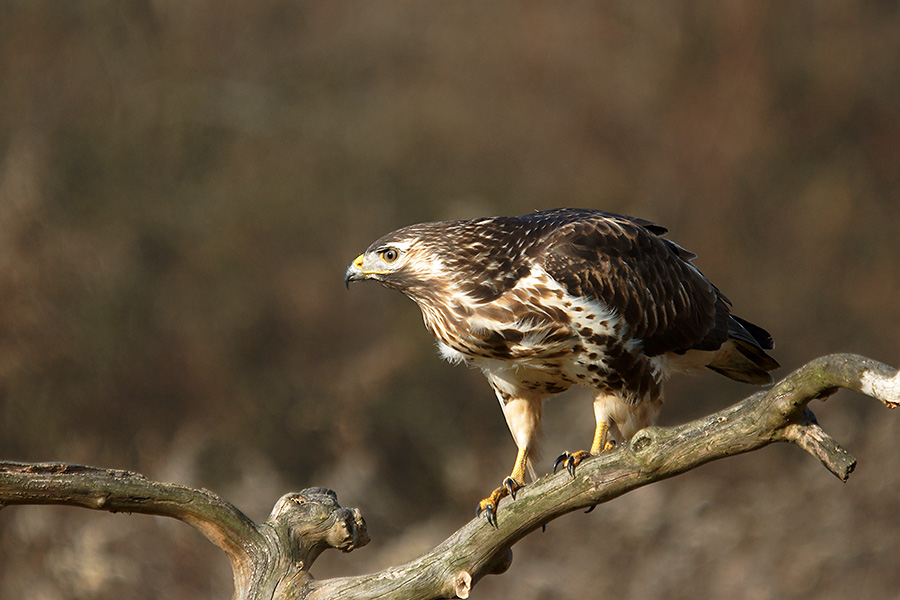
{"points": [[183, 183]]}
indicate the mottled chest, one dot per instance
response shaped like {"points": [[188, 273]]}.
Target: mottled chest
{"points": [[536, 337]]}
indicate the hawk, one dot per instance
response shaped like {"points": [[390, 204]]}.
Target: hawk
{"points": [[563, 297]]}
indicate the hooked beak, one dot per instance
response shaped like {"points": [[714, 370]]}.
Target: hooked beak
{"points": [[354, 271]]}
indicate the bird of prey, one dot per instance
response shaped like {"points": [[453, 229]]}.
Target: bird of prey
{"points": [[563, 297]]}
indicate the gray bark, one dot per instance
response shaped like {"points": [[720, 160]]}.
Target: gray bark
{"points": [[272, 559]]}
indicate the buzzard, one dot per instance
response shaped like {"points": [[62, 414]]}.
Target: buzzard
{"points": [[563, 297]]}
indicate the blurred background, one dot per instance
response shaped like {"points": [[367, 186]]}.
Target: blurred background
{"points": [[182, 185]]}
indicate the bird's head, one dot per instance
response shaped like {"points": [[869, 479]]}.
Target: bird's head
{"points": [[403, 260]]}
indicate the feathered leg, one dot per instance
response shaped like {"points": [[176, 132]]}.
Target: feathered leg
{"points": [[523, 416]]}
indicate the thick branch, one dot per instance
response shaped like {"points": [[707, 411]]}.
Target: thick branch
{"points": [[272, 560], [778, 414]]}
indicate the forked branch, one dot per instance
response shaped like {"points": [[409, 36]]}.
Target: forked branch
{"points": [[272, 559]]}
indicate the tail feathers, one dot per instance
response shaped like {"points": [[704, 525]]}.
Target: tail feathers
{"points": [[743, 356], [746, 331]]}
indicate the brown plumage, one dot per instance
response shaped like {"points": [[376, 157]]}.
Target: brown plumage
{"points": [[565, 297]]}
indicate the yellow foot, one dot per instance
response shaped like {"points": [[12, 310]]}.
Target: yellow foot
{"points": [[572, 460], [489, 505]]}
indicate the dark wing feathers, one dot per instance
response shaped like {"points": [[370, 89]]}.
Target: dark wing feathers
{"points": [[746, 331], [645, 278], [751, 341], [623, 261]]}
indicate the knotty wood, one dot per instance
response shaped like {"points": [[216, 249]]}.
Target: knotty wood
{"points": [[272, 559]]}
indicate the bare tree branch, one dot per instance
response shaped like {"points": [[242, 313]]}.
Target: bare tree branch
{"points": [[272, 560], [274, 555]]}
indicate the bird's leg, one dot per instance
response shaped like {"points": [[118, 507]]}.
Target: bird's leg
{"points": [[516, 479], [508, 487], [523, 416], [601, 442]]}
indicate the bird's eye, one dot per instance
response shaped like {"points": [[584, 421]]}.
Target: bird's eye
{"points": [[390, 255]]}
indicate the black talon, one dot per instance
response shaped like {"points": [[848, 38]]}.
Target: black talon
{"points": [[593, 506], [512, 486], [562, 458], [488, 513]]}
